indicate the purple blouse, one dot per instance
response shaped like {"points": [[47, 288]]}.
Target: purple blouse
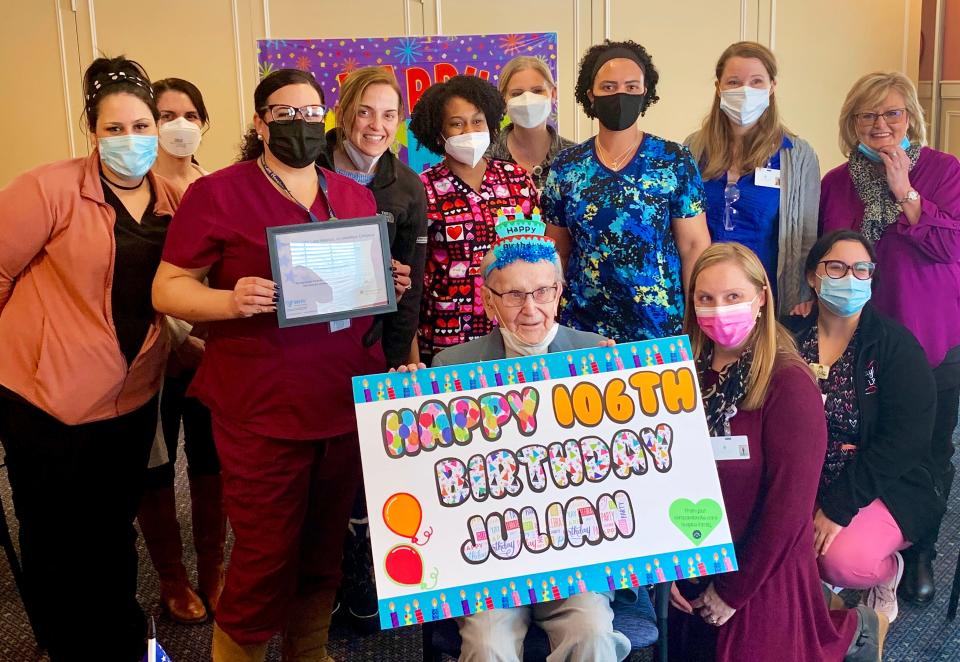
{"points": [[918, 277]]}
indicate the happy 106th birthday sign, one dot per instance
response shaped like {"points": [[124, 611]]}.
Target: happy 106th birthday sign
{"points": [[505, 483]]}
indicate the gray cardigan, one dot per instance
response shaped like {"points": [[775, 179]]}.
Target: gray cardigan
{"points": [[799, 211], [490, 347]]}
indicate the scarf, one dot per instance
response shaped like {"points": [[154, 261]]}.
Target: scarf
{"points": [[879, 208], [720, 400]]}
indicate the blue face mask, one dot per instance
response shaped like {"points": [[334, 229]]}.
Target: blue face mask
{"points": [[874, 155], [130, 155], [844, 296]]}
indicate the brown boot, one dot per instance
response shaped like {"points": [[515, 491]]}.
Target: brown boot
{"points": [[161, 533], [209, 533], [307, 629], [226, 649]]}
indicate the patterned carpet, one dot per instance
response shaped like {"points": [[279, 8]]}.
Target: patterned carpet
{"points": [[919, 634]]}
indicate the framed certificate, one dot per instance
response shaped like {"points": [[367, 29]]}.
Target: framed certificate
{"points": [[332, 270]]}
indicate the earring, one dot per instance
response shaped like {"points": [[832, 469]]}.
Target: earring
{"points": [[259, 137]]}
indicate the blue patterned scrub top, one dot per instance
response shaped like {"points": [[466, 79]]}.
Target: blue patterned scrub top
{"points": [[624, 273]]}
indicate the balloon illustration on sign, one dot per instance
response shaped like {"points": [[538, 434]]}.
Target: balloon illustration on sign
{"points": [[404, 566], [402, 514]]}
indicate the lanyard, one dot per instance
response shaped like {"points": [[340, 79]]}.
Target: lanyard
{"points": [[321, 180]]}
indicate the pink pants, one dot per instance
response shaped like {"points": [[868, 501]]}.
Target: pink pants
{"points": [[862, 554]]}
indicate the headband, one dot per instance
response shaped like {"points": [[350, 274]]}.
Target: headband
{"points": [[105, 81], [521, 239], [612, 54]]}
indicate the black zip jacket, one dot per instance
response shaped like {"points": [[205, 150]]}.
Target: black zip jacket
{"points": [[400, 195], [897, 396]]}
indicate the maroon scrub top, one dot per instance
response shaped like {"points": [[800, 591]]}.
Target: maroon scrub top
{"points": [[291, 383]]}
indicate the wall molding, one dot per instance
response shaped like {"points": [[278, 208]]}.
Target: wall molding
{"points": [[241, 93], [773, 25], [949, 89], [266, 19], [66, 85], [438, 13], [743, 20], [948, 116], [91, 14]]}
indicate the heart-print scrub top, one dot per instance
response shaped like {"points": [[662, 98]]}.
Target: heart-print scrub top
{"points": [[460, 230]]}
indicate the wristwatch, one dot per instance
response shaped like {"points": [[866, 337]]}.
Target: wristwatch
{"points": [[911, 196]]}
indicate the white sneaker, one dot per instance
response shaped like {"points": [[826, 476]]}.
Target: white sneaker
{"points": [[883, 597]]}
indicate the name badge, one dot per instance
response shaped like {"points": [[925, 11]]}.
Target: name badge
{"points": [[730, 448], [339, 325], [769, 177]]}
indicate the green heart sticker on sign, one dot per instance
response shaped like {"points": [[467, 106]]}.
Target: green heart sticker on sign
{"points": [[696, 520]]}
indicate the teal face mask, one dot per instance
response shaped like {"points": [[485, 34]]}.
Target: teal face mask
{"points": [[844, 296], [130, 155], [874, 155]]}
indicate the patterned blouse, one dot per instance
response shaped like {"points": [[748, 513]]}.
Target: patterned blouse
{"points": [[500, 150], [460, 225], [624, 270], [841, 405]]}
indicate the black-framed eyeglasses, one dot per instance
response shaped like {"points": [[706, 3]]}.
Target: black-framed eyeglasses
{"points": [[860, 270], [283, 113], [516, 298], [892, 116]]}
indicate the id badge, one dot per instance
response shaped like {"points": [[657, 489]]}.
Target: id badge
{"points": [[769, 177], [730, 448], [339, 325]]}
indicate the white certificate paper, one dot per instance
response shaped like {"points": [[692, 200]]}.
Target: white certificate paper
{"points": [[331, 270]]}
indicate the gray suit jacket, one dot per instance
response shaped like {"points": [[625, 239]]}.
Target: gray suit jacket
{"points": [[490, 347]]}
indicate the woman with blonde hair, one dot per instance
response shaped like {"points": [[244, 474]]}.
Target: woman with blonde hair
{"points": [[528, 88], [762, 182], [757, 391], [368, 113], [905, 198]]}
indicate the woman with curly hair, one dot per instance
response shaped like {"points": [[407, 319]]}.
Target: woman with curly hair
{"points": [[625, 207], [466, 192]]}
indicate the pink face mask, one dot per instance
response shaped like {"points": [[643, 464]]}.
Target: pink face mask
{"points": [[728, 326]]}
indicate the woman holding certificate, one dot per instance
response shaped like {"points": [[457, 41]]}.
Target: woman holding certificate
{"points": [[280, 397]]}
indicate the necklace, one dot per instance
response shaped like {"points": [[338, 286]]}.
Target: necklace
{"points": [[120, 186], [614, 164]]}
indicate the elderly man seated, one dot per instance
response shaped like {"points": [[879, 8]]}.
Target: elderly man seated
{"points": [[523, 280]]}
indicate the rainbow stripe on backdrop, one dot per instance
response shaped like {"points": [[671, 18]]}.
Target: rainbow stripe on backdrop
{"points": [[511, 592], [520, 370]]}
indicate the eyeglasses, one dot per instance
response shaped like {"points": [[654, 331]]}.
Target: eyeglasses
{"points": [[860, 270], [894, 116], [516, 298], [731, 193], [283, 113]]}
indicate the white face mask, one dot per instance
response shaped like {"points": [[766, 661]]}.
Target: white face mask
{"points": [[745, 105], [468, 148], [180, 137], [517, 346], [529, 109], [364, 162]]}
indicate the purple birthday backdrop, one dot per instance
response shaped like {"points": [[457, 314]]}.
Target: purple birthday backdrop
{"points": [[417, 62]]}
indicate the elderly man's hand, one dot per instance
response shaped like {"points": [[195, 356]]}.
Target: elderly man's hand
{"points": [[410, 367]]}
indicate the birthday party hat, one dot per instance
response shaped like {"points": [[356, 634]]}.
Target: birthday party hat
{"points": [[521, 238]]}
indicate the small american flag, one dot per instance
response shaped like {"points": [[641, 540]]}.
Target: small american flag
{"points": [[155, 652]]}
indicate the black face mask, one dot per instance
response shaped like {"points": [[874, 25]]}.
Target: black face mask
{"points": [[617, 112], [297, 143]]}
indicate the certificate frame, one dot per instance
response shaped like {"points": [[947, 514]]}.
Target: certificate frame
{"points": [[291, 247]]}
